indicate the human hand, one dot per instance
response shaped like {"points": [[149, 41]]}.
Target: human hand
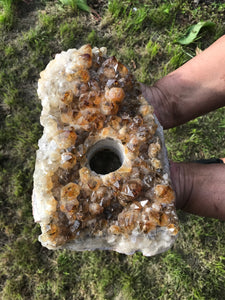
{"points": [[193, 90], [199, 188]]}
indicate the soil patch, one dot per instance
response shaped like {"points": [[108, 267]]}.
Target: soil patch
{"points": [[98, 5]]}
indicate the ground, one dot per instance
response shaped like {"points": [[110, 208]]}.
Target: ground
{"points": [[143, 35]]}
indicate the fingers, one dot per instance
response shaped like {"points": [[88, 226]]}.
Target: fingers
{"points": [[194, 89], [147, 92], [143, 88], [199, 188], [163, 108]]}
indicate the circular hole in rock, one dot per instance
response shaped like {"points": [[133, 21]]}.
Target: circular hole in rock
{"points": [[105, 157]]}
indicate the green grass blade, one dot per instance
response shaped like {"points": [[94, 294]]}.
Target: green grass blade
{"points": [[81, 4], [193, 31]]}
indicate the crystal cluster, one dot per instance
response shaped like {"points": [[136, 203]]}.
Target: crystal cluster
{"points": [[101, 178]]}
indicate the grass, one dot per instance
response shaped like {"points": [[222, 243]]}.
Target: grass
{"points": [[6, 13], [143, 35]]}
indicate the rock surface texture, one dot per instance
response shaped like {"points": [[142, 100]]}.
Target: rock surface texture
{"points": [[101, 178]]}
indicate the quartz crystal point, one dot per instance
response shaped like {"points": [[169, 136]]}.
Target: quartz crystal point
{"points": [[101, 178]]}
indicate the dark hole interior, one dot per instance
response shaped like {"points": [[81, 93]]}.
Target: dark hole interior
{"points": [[105, 161]]}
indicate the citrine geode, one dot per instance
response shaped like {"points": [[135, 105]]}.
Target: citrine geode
{"points": [[101, 178]]}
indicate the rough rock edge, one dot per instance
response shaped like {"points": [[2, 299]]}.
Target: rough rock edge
{"points": [[157, 241]]}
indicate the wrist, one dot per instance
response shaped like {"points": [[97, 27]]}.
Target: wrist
{"points": [[195, 88]]}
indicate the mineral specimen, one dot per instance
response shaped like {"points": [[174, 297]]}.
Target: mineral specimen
{"points": [[101, 179]]}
